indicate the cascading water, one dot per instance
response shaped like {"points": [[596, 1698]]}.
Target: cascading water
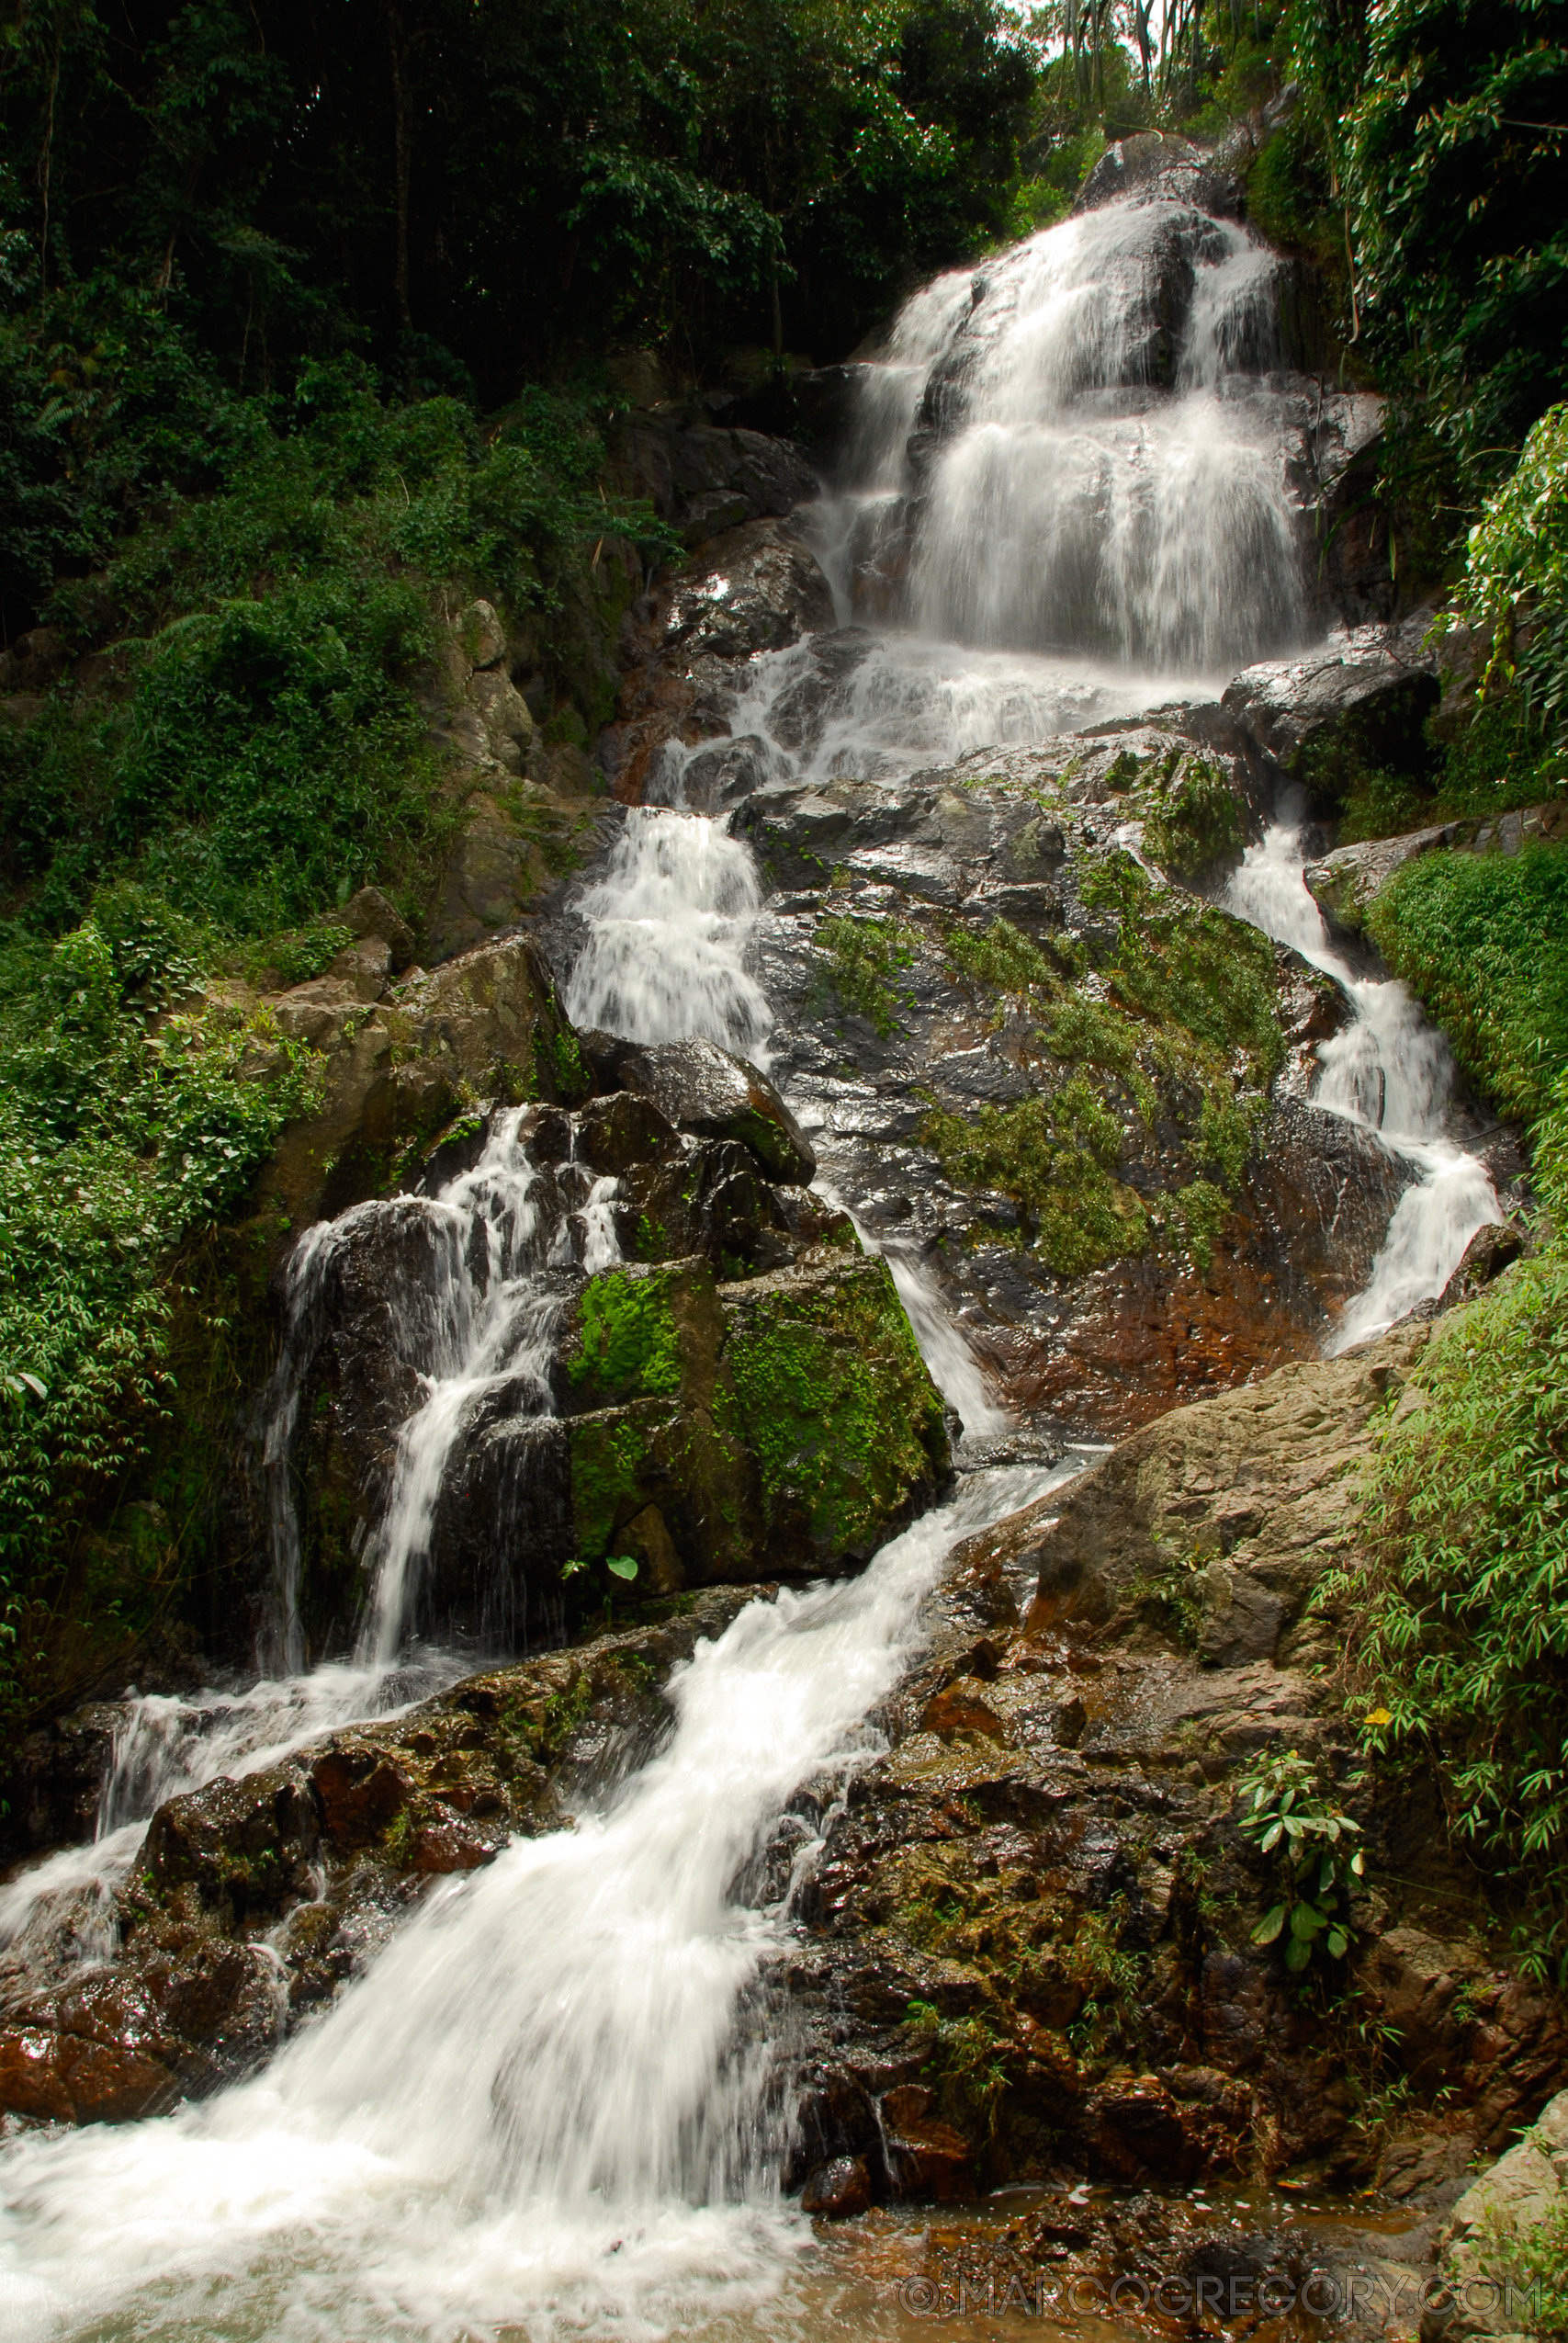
{"points": [[479, 1320], [537, 2111], [667, 925], [1392, 1073], [1068, 484]]}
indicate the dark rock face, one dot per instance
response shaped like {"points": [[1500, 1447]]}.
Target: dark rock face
{"points": [[706, 477], [755, 588], [1153, 168], [253, 1899], [1026, 1947], [1356, 707], [699, 1087]]}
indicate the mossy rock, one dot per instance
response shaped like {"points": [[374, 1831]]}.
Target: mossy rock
{"points": [[822, 1384]]}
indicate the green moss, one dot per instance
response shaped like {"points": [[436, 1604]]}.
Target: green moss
{"points": [[828, 1392], [1001, 959], [1052, 1154], [609, 1459], [628, 1342], [864, 956]]}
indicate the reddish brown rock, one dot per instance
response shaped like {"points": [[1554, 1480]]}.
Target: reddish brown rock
{"points": [[58, 2078], [928, 2157], [837, 2190]]}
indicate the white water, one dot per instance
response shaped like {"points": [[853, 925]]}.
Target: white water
{"points": [[540, 2109], [1389, 1071], [167, 1744], [668, 923], [486, 1319]]}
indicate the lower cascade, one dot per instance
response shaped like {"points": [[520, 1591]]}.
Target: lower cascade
{"points": [[852, 1216], [552, 2095]]}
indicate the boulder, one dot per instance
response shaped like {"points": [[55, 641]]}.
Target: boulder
{"points": [[684, 646], [1345, 883], [838, 2189], [700, 1087], [488, 1023], [1357, 708], [1485, 2293], [705, 477]]}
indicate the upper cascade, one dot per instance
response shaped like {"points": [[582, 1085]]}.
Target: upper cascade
{"points": [[1086, 446]]}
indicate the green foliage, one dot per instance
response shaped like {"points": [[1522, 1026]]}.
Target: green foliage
{"points": [[1460, 1619], [1484, 940], [863, 959], [132, 1115], [829, 1394], [1052, 1154], [1191, 818], [1381, 805], [965, 2063], [1283, 1809], [628, 1342], [1515, 587], [270, 754], [1191, 990], [1453, 165], [467, 189]]}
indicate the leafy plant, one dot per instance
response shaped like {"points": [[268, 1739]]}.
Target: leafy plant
{"points": [[864, 958], [1284, 1813]]}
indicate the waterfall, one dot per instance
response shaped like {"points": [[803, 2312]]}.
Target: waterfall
{"points": [[1390, 1073], [667, 927], [538, 2109], [551, 2101]]}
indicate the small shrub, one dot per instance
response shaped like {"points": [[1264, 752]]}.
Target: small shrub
{"points": [[864, 957], [1191, 818], [1484, 940], [1283, 1812]]}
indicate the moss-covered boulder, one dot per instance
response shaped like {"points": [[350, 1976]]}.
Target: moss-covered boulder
{"points": [[769, 1427]]}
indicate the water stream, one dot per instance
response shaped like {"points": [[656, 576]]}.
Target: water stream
{"points": [[552, 2102], [1389, 1071]]}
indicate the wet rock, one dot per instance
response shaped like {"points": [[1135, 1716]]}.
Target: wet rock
{"points": [[683, 648], [705, 477], [488, 1022], [927, 2157], [991, 1880], [1354, 709], [57, 2078], [699, 1087], [1491, 1250], [1155, 168], [944, 1036], [839, 2191], [1135, 2129]]}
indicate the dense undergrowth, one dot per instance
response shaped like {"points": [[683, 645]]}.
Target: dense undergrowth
{"points": [[1460, 1608], [256, 751]]}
